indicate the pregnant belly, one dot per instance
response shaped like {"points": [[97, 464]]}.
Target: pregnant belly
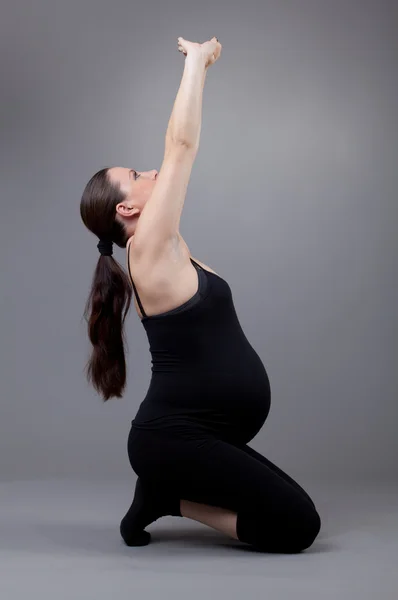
{"points": [[247, 401], [231, 402], [234, 402]]}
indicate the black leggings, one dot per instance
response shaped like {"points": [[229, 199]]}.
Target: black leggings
{"points": [[274, 513]]}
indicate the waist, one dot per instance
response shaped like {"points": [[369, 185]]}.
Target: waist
{"points": [[180, 425], [212, 361]]}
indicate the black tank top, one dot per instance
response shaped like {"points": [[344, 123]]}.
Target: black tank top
{"points": [[206, 376]]}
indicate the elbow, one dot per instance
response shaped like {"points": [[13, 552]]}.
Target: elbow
{"points": [[181, 144]]}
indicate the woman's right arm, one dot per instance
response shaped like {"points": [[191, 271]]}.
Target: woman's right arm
{"points": [[158, 225]]}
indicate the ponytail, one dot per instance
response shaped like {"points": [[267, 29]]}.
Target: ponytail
{"points": [[105, 312]]}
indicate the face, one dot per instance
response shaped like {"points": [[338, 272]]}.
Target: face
{"points": [[137, 186]]}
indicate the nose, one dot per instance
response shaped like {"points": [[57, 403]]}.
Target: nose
{"points": [[149, 174]]}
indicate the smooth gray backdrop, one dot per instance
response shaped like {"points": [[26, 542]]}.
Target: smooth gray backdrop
{"points": [[292, 199]]}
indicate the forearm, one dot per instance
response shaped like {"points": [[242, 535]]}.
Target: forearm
{"points": [[186, 118]]}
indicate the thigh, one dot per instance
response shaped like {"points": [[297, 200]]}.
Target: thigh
{"points": [[265, 461], [211, 471], [224, 475]]}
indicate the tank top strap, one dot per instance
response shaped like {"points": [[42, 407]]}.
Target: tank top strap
{"points": [[196, 264], [135, 289]]}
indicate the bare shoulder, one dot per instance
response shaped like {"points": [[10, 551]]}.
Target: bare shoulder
{"points": [[173, 259], [148, 271], [166, 283]]}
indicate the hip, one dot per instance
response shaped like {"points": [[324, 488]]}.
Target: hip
{"points": [[157, 451]]}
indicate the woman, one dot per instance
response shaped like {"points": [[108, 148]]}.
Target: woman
{"points": [[209, 394]]}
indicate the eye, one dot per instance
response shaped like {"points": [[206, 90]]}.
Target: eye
{"points": [[136, 176]]}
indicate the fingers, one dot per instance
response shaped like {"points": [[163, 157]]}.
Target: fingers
{"points": [[217, 49], [212, 47], [180, 45]]}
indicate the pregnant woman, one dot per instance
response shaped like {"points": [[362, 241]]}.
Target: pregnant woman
{"points": [[209, 393]]}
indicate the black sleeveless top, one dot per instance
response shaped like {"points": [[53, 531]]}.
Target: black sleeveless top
{"points": [[206, 376]]}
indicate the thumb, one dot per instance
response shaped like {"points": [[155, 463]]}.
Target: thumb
{"points": [[181, 45]]}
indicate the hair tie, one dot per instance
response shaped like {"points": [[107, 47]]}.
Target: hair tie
{"points": [[105, 247]]}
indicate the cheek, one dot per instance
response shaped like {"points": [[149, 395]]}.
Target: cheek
{"points": [[145, 194], [149, 188]]}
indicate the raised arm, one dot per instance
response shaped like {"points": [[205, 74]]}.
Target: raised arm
{"points": [[158, 224]]}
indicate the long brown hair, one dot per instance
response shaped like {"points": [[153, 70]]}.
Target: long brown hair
{"points": [[110, 295]]}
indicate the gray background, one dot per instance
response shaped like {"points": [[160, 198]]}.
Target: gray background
{"points": [[292, 200]]}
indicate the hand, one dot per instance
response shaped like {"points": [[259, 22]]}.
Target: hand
{"points": [[210, 50]]}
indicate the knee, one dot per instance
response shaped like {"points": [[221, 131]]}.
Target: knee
{"points": [[306, 531], [289, 533], [299, 531]]}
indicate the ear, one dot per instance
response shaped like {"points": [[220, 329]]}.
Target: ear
{"points": [[126, 211]]}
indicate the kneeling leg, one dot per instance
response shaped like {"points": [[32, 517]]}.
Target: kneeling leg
{"points": [[271, 514]]}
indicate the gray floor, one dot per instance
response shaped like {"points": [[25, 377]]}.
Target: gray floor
{"points": [[59, 540]]}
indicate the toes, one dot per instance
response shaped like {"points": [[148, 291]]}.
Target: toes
{"points": [[137, 538]]}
